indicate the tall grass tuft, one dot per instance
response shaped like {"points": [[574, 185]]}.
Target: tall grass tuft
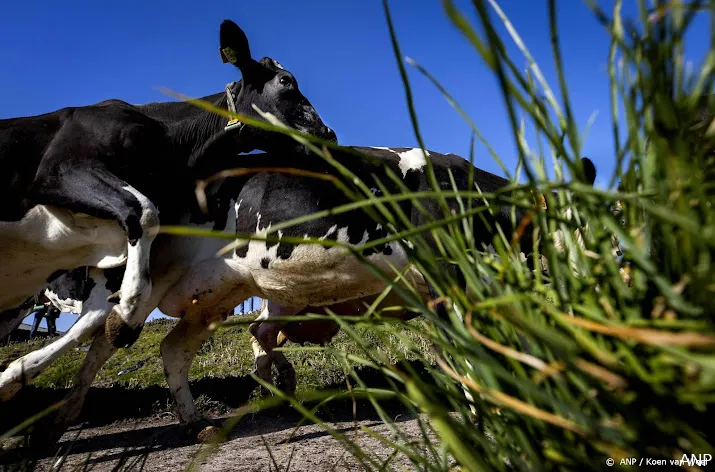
{"points": [[568, 369]]}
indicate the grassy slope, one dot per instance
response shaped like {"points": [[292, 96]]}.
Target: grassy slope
{"points": [[226, 354]]}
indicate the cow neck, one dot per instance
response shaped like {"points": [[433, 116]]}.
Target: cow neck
{"points": [[234, 126]]}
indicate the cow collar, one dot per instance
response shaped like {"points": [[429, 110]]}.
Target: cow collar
{"points": [[233, 124]]}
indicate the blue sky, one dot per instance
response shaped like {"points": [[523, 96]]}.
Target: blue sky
{"points": [[58, 54]]}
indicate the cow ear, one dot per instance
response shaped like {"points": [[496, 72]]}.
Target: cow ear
{"points": [[234, 46], [589, 170]]}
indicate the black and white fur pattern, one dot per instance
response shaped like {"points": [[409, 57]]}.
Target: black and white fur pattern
{"points": [[200, 289], [83, 186]]}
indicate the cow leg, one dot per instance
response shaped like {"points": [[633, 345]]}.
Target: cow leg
{"points": [[203, 296], [266, 335], [262, 365], [32, 364], [112, 198], [262, 362], [11, 319], [100, 351], [52, 427], [178, 350]]}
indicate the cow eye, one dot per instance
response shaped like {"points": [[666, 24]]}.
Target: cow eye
{"points": [[285, 80]]}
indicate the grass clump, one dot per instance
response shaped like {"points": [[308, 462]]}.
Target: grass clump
{"points": [[565, 371], [227, 354]]}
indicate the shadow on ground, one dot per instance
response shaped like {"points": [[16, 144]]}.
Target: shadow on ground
{"points": [[108, 405], [145, 439]]}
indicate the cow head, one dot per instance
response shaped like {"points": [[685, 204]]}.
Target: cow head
{"points": [[272, 89]]}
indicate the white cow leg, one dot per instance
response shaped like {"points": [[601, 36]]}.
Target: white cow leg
{"points": [[126, 322], [178, 350], [100, 351], [20, 371]]}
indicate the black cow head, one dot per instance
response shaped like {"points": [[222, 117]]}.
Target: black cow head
{"points": [[272, 89]]}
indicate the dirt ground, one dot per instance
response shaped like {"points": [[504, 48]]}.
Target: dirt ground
{"points": [[160, 445]]}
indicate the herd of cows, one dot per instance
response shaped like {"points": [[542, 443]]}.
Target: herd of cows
{"points": [[84, 188]]}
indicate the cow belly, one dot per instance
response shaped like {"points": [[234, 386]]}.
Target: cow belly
{"points": [[47, 240], [315, 276], [314, 332], [311, 276]]}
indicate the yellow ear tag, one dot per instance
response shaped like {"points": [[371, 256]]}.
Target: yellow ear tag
{"points": [[228, 55], [232, 124]]}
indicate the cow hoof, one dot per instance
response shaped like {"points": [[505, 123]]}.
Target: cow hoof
{"points": [[210, 434], [118, 333], [286, 381], [44, 440], [204, 430], [46, 433], [263, 392]]}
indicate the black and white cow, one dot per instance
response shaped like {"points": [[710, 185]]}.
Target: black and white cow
{"points": [[83, 186], [190, 283], [67, 293]]}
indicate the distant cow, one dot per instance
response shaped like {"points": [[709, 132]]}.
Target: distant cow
{"points": [[66, 293], [83, 186], [202, 289]]}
